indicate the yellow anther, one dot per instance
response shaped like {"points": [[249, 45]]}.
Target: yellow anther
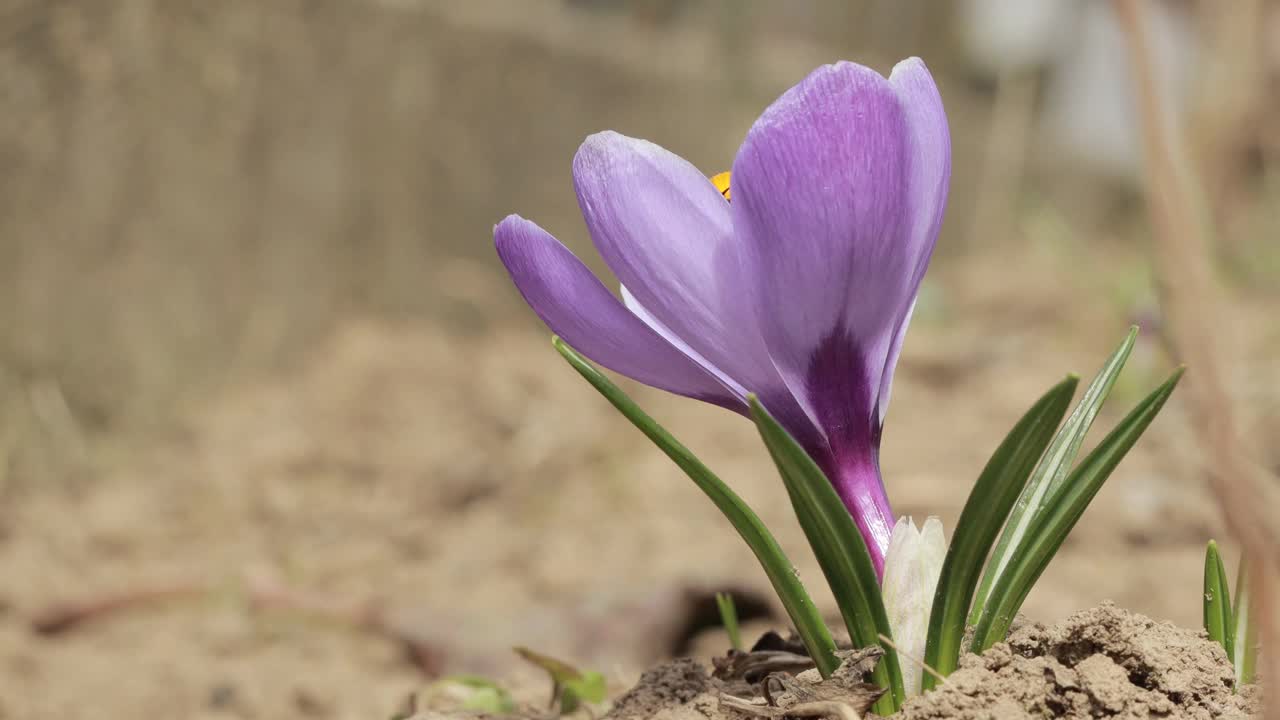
{"points": [[721, 182]]}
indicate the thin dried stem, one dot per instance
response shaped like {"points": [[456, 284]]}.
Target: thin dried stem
{"points": [[917, 660], [824, 708], [65, 617], [817, 708], [1005, 155], [263, 593], [1189, 297]]}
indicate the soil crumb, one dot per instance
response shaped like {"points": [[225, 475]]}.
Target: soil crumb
{"points": [[677, 690], [1099, 663]]}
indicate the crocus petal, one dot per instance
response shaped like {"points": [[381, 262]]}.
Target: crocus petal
{"points": [[666, 232], [911, 570], [774, 395], [818, 207], [891, 362], [632, 304], [928, 177], [578, 307]]}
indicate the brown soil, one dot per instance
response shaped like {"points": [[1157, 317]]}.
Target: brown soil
{"points": [[1103, 662], [677, 689], [1100, 663], [470, 493]]}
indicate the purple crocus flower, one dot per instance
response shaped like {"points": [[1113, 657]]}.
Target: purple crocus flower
{"points": [[798, 289]]}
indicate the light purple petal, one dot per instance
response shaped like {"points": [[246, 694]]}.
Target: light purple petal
{"points": [[773, 395], [659, 327], [838, 193], [928, 178], [578, 307], [667, 233], [818, 206], [891, 363]]}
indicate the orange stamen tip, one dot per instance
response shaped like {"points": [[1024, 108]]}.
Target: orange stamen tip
{"points": [[721, 182]]}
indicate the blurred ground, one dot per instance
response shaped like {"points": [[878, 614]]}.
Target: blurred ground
{"points": [[256, 349]]}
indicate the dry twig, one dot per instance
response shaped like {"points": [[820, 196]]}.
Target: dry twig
{"points": [[65, 617], [917, 660], [1190, 301], [263, 592], [820, 708]]}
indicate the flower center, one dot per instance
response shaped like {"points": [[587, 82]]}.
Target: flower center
{"points": [[721, 182]]}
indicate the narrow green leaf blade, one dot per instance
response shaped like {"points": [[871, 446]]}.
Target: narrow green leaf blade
{"points": [[1053, 469], [1228, 620], [1244, 629], [1217, 600], [1061, 512], [729, 619], [795, 599], [984, 513], [839, 548]]}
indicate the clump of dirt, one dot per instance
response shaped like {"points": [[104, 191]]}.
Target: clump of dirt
{"points": [[1104, 662], [1099, 663], [677, 690]]}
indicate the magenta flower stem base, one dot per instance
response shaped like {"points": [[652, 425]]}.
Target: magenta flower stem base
{"points": [[860, 487]]}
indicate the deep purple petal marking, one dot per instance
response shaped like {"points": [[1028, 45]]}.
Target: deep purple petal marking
{"points": [[841, 394]]}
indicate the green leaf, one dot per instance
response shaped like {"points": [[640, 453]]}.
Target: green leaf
{"points": [[570, 687], [1061, 512], [984, 513], [1052, 470], [1217, 599], [1244, 629], [474, 693], [781, 573], [559, 670], [729, 619], [589, 686], [839, 548]]}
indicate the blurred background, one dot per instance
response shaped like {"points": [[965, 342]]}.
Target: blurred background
{"points": [[278, 439]]}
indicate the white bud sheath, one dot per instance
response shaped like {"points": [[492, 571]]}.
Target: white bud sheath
{"points": [[911, 569]]}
